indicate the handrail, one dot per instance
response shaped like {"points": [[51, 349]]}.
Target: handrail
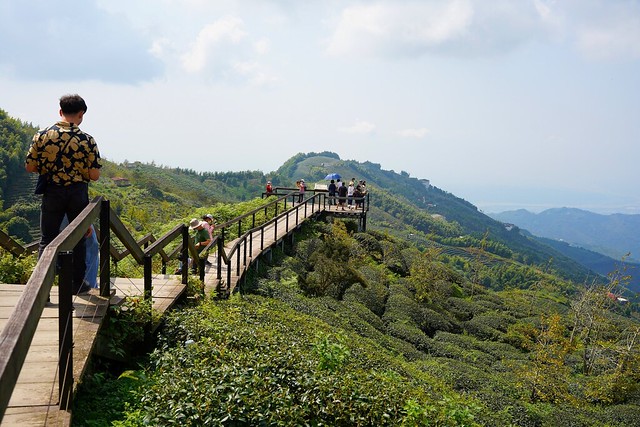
{"points": [[125, 237], [17, 334], [7, 242], [241, 241]]}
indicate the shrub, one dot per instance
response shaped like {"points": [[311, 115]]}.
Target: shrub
{"points": [[375, 294], [410, 334], [452, 351], [16, 270], [432, 322], [464, 309], [483, 327], [363, 313], [370, 244]]}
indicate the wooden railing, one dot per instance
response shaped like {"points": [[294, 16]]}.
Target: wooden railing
{"points": [[15, 248], [16, 336], [243, 246]]}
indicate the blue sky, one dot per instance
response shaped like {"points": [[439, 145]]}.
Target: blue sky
{"points": [[507, 104]]}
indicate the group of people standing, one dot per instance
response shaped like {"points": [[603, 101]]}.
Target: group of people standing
{"points": [[347, 194]]}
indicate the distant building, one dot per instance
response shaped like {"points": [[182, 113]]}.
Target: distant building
{"points": [[426, 183], [121, 182]]}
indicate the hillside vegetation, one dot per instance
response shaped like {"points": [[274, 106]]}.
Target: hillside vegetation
{"points": [[364, 329], [437, 315]]}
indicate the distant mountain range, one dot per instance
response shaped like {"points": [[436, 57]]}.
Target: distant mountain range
{"points": [[599, 242], [613, 235]]}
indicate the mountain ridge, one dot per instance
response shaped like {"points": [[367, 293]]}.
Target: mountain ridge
{"points": [[613, 235]]}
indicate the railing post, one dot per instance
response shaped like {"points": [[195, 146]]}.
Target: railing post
{"points": [[238, 262], [244, 255], [105, 245], [229, 275], [239, 228], [185, 255], [262, 238], [65, 330], [275, 229], [147, 297], [147, 276], [201, 265], [220, 249]]}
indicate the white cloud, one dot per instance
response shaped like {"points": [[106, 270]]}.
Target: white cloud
{"points": [[384, 27], [212, 38], [359, 127], [225, 49], [600, 29], [413, 133], [255, 73]]}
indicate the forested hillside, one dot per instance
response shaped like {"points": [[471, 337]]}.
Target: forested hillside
{"points": [[19, 210]]}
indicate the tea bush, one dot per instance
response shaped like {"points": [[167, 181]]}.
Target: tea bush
{"points": [[464, 309], [257, 362], [375, 294], [410, 334]]}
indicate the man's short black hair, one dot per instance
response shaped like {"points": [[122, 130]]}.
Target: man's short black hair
{"points": [[72, 104]]}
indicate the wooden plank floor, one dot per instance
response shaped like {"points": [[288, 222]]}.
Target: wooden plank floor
{"points": [[34, 401], [270, 239]]}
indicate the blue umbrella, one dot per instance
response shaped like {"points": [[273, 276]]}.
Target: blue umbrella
{"points": [[333, 176]]}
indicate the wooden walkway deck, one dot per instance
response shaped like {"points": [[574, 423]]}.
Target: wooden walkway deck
{"points": [[270, 240], [34, 401]]}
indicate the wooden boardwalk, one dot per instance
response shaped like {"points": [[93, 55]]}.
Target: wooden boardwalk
{"points": [[269, 238], [34, 401]]}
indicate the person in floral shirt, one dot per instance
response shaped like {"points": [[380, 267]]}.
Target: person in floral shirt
{"points": [[67, 160]]}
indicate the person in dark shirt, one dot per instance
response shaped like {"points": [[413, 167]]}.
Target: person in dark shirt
{"points": [[342, 196], [332, 192], [67, 159]]}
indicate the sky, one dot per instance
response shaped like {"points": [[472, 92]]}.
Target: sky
{"points": [[506, 103]]}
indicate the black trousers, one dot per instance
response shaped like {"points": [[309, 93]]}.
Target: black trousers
{"points": [[58, 201]]}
